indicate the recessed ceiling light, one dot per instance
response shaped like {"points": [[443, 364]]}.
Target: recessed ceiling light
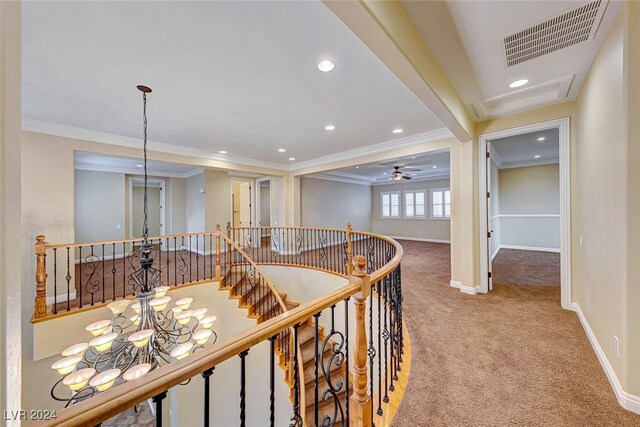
{"points": [[542, 138], [433, 167], [292, 158], [357, 167], [281, 150], [398, 130], [519, 83], [326, 65], [537, 156], [413, 157], [384, 173], [222, 152], [330, 127]]}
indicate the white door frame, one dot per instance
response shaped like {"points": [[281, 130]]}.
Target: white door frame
{"points": [[163, 210], [252, 197], [563, 126], [259, 202]]}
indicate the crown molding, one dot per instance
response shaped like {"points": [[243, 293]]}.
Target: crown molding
{"points": [[421, 138], [435, 177], [64, 131], [338, 177], [135, 172], [535, 162]]}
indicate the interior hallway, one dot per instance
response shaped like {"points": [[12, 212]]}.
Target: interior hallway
{"points": [[511, 357], [517, 267]]}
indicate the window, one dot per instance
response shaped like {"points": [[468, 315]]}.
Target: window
{"points": [[414, 204], [390, 204], [440, 203]]}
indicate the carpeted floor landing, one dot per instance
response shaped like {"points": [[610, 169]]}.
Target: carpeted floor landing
{"points": [[509, 358]]}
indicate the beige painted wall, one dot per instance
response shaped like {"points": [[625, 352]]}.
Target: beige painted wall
{"points": [[195, 203], [333, 204], [410, 228], [532, 190], [599, 282], [153, 210], [217, 198], [99, 206], [177, 192]]}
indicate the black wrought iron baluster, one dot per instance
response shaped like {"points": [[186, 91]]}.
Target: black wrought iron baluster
{"points": [[124, 269], [379, 411], [346, 358], [272, 381], [113, 271], [207, 400], [243, 392], [371, 351], [80, 273], [68, 279], [296, 419], [55, 281], [400, 316], [167, 260], [103, 277], [315, 366], [190, 265], [158, 401], [385, 335]]}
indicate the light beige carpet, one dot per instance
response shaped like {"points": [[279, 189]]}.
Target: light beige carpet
{"points": [[509, 358]]}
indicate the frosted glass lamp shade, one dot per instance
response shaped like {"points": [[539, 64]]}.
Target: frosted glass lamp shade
{"points": [[104, 380], [76, 349], [136, 371], [118, 307], [159, 304], [67, 365], [103, 342], [199, 313], [78, 379], [202, 336], [207, 321], [136, 307], [184, 303], [184, 316], [161, 291], [182, 350], [141, 338], [98, 328], [135, 319]]}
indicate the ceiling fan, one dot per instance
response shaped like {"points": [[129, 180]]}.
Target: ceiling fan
{"points": [[397, 175]]}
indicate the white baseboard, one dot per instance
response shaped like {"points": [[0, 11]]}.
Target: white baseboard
{"points": [[421, 239], [493, 255], [529, 248], [62, 298], [471, 290], [628, 401]]}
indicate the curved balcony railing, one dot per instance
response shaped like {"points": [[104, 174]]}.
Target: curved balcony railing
{"points": [[342, 352]]}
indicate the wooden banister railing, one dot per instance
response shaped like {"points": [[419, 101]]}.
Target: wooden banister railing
{"points": [[345, 391]]}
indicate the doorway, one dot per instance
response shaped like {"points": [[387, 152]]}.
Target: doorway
{"points": [[524, 218], [241, 202], [155, 207]]}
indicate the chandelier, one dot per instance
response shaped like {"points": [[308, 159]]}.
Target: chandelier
{"points": [[129, 345]]}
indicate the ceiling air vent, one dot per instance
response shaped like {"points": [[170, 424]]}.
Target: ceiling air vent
{"points": [[563, 30]]}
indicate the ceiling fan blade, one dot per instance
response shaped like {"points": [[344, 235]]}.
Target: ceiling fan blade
{"points": [[413, 169], [390, 179], [406, 177]]}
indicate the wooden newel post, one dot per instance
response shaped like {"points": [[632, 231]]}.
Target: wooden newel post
{"points": [[349, 251], [360, 401], [230, 237], [41, 277], [218, 269]]}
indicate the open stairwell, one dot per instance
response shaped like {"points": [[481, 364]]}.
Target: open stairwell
{"points": [[259, 300]]}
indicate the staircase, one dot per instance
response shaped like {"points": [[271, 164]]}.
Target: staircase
{"points": [[258, 299]]}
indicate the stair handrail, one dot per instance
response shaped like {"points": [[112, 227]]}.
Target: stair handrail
{"points": [[244, 255]]}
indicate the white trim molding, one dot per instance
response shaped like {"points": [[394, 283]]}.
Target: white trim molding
{"points": [[563, 126], [529, 248], [627, 400], [421, 239], [470, 290]]}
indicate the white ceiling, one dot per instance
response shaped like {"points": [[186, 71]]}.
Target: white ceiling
{"points": [[474, 57], [234, 76], [521, 150], [425, 166], [104, 163]]}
